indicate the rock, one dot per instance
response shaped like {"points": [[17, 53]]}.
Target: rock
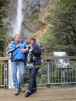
{"points": [[35, 12]]}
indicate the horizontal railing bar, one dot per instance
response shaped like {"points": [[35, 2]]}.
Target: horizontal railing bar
{"points": [[56, 57], [62, 83], [4, 58], [46, 59], [3, 85]]}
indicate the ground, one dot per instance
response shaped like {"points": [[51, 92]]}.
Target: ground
{"points": [[43, 94]]}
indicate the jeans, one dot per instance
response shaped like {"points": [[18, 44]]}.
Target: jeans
{"points": [[32, 83], [18, 72]]}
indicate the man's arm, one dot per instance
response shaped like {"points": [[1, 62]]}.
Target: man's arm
{"points": [[25, 49], [11, 48]]}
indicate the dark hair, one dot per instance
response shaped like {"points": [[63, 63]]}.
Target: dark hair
{"points": [[33, 39]]}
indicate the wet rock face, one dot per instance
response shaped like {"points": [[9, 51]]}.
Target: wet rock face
{"points": [[44, 3], [30, 7], [35, 3]]}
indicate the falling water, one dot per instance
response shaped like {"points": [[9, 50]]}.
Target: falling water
{"points": [[17, 29], [19, 17]]}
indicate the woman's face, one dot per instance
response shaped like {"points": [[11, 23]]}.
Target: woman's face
{"points": [[32, 42]]}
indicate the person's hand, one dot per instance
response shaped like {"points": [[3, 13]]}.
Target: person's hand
{"points": [[24, 50]]}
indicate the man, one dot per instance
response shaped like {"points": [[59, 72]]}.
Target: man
{"points": [[35, 59], [18, 50]]}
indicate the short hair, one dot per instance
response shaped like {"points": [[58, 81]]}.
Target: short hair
{"points": [[17, 34], [33, 39]]}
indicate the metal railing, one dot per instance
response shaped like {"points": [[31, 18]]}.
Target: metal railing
{"points": [[61, 71], [55, 71], [3, 72]]}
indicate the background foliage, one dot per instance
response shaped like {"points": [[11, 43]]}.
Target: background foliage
{"points": [[62, 27], [3, 27]]}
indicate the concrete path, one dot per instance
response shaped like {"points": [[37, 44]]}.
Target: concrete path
{"points": [[43, 94]]}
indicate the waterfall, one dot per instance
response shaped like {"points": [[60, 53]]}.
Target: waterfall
{"points": [[19, 17], [16, 29]]}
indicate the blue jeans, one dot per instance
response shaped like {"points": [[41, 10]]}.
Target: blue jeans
{"points": [[18, 72]]}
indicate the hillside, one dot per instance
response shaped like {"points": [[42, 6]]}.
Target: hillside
{"points": [[35, 14]]}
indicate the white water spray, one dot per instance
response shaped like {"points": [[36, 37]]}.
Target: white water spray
{"points": [[16, 29], [19, 17]]}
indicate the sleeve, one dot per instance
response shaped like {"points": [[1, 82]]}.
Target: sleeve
{"points": [[26, 45], [11, 47], [36, 51]]}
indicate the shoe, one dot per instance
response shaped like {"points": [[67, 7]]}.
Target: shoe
{"points": [[28, 94], [17, 92]]}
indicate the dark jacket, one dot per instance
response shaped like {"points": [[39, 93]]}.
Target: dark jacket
{"points": [[36, 54]]}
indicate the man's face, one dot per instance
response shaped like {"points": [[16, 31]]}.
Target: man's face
{"points": [[18, 38], [28, 40]]}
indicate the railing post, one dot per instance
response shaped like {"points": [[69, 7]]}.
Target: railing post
{"points": [[10, 77], [5, 75], [48, 73]]}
